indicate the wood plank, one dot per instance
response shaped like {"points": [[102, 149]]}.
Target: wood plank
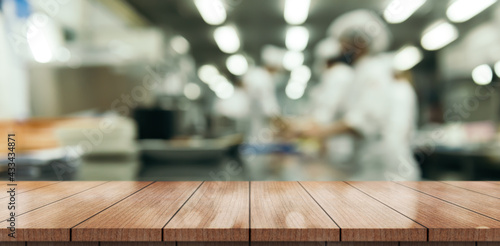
{"points": [[218, 211], [25, 186], [362, 218], [284, 211], [13, 244], [140, 217], [437, 244], [212, 243], [62, 244], [362, 244], [288, 244], [487, 188], [43, 196], [479, 203], [53, 222], [445, 221], [137, 244], [488, 243]]}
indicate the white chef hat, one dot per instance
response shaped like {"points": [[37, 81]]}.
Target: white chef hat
{"points": [[363, 23], [272, 55], [327, 48]]}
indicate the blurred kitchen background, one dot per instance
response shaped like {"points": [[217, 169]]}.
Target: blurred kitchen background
{"points": [[154, 90]]}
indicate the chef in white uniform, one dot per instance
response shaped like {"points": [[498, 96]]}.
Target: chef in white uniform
{"points": [[259, 82], [329, 99], [364, 36]]}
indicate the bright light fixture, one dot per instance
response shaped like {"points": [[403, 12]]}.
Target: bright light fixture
{"points": [[296, 11], [301, 74], [237, 64], [180, 44], [207, 73], [407, 57], [38, 41], [292, 59], [212, 11], [224, 90], [192, 91], [438, 35], [227, 39], [464, 10], [497, 68], [297, 38], [294, 90], [482, 74], [400, 10]]}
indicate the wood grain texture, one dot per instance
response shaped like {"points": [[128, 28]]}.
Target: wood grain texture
{"points": [[488, 243], [62, 244], [13, 244], [24, 186], [140, 217], [445, 221], [362, 244], [212, 243], [474, 201], [437, 244], [52, 223], [288, 244], [486, 188], [34, 199], [284, 211], [362, 218], [218, 211], [137, 244]]}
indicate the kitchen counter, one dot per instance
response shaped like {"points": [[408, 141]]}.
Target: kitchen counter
{"points": [[263, 213]]}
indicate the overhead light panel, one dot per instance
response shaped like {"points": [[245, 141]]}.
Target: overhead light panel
{"points": [[407, 57], [297, 38], [207, 73], [301, 74], [294, 90], [227, 39], [464, 10], [292, 59], [179, 44], [296, 11], [497, 68], [237, 64], [482, 74], [212, 11], [400, 10], [438, 35]]}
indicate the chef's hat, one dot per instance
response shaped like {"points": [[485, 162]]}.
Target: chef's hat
{"points": [[327, 48], [362, 24], [272, 56]]}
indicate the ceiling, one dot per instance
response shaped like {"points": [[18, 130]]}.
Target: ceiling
{"points": [[261, 22]]}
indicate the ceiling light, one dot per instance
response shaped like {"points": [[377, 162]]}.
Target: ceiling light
{"points": [[296, 11], [207, 73], [227, 39], [407, 57], [301, 74], [212, 11], [192, 91], [297, 38], [237, 64], [464, 10], [497, 68], [294, 90], [180, 44], [482, 74], [224, 90], [292, 59], [400, 10], [439, 35]]}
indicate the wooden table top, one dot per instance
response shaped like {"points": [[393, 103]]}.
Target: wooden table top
{"points": [[254, 211]]}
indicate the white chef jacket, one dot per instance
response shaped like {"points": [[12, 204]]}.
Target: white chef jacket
{"points": [[329, 105]]}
